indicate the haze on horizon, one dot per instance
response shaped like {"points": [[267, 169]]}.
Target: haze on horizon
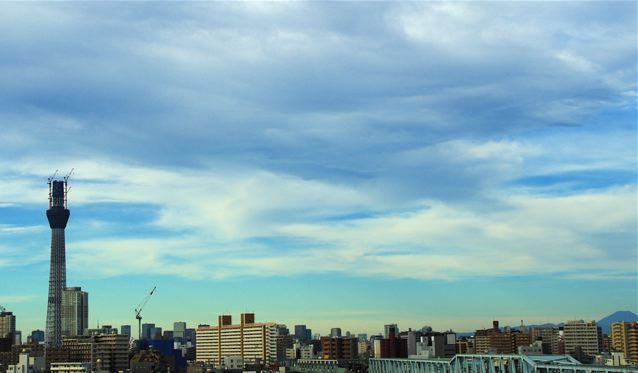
{"points": [[333, 164]]}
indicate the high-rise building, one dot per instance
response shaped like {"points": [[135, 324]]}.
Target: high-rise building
{"points": [[335, 332], [146, 330], [624, 338], [58, 216], [7, 330], [179, 330], [390, 328], [125, 330], [155, 332], [585, 335], [37, 336], [75, 311], [251, 341], [301, 332]]}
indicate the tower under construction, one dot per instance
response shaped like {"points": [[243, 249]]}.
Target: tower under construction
{"points": [[58, 215]]}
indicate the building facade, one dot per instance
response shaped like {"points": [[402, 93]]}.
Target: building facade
{"points": [[252, 341], [75, 311], [584, 335], [339, 348], [7, 330], [624, 338]]}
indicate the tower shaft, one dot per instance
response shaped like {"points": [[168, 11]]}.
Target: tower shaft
{"points": [[57, 283], [58, 216]]}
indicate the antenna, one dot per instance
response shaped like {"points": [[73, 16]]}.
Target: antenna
{"points": [[49, 181], [66, 188]]}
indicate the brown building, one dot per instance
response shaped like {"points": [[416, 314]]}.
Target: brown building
{"points": [[496, 341], [283, 342], [339, 348], [394, 347], [624, 338]]}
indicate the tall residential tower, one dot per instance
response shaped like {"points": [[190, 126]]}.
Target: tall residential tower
{"points": [[58, 215]]}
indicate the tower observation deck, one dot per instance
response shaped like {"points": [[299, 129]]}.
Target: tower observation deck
{"points": [[58, 216]]}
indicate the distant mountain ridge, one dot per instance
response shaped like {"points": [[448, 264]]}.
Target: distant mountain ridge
{"points": [[604, 323]]}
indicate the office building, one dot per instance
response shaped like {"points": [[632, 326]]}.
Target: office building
{"points": [[179, 331], [146, 330], [390, 328], [125, 330], [7, 330], [583, 335], [252, 341], [624, 338], [58, 216], [301, 332], [335, 332], [37, 336], [75, 311]]}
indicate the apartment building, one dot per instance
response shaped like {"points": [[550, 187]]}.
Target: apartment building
{"points": [[251, 341]]}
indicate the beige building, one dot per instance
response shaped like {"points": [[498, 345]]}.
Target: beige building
{"points": [[584, 334], [624, 338], [249, 340], [7, 325]]}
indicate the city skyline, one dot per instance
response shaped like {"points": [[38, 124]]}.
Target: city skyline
{"points": [[475, 161]]}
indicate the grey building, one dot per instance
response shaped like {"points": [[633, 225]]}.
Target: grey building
{"points": [[146, 330], [75, 311], [301, 332], [179, 330], [125, 330], [335, 332]]}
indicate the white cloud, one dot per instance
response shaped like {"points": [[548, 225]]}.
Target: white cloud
{"points": [[220, 220]]}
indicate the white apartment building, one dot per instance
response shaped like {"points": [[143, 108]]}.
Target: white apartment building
{"points": [[249, 340]]}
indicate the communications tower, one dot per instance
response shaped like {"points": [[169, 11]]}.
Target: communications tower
{"points": [[58, 215]]}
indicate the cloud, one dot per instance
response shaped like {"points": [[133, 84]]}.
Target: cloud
{"points": [[415, 140], [11, 299]]}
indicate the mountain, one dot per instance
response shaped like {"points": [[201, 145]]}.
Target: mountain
{"points": [[605, 323]]}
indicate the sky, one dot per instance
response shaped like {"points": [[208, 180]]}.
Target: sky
{"points": [[334, 164]]}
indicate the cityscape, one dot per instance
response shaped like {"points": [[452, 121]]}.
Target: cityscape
{"points": [[319, 187]]}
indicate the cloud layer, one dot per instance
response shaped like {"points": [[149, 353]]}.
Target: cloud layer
{"points": [[419, 140]]}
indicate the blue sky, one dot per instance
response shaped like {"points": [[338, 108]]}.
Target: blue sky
{"points": [[334, 164]]}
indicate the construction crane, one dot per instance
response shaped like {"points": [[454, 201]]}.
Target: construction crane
{"points": [[138, 313]]}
